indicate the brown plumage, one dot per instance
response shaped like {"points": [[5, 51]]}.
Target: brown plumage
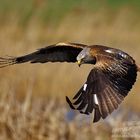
{"points": [[112, 77]]}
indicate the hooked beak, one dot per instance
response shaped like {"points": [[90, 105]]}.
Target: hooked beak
{"points": [[79, 63]]}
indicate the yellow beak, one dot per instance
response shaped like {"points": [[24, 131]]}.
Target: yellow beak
{"points": [[79, 63]]}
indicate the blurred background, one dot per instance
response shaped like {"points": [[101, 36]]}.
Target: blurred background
{"points": [[32, 102]]}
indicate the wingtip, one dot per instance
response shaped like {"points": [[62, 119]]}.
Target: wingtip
{"points": [[70, 103], [97, 115], [7, 61]]}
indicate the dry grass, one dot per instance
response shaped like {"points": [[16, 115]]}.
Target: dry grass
{"points": [[15, 41], [32, 103], [41, 119]]}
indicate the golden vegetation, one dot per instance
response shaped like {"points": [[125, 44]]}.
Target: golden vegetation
{"points": [[32, 103], [45, 119]]}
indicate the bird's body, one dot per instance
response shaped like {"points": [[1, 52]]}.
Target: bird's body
{"points": [[112, 77]]}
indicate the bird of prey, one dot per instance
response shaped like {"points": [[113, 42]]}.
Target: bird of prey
{"points": [[112, 77]]}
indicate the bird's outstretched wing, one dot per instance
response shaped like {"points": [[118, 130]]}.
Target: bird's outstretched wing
{"points": [[107, 84], [60, 52]]}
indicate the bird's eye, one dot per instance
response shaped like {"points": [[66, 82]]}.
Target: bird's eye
{"points": [[82, 56]]}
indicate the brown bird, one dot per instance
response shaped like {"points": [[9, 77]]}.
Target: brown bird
{"points": [[112, 77]]}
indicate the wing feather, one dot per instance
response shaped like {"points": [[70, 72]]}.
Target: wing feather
{"points": [[97, 115], [110, 80], [61, 52], [114, 98], [108, 102]]}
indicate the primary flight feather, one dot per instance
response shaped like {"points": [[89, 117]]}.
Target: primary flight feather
{"points": [[112, 77]]}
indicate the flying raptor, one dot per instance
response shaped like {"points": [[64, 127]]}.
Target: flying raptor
{"points": [[112, 77]]}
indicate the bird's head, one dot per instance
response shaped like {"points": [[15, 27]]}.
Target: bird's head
{"points": [[85, 57]]}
